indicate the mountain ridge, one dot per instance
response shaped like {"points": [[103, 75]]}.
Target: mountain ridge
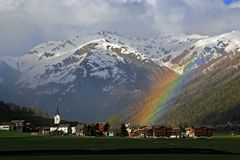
{"points": [[105, 64]]}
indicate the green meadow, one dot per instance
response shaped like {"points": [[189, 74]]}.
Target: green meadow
{"points": [[128, 157], [14, 141]]}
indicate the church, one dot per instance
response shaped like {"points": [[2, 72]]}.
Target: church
{"points": [[57, 117], [62, 128]]}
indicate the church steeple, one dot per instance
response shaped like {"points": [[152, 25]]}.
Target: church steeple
{"points": [[57, 110], [57, 117]]}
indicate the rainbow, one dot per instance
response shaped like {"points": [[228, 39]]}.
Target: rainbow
{"points": [[159, 97]]}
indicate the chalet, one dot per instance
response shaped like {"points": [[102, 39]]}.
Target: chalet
{"points": [[7, 126], [161, 131], [146, 132], [135, 133], [202, 132], [175, 133], [155, 132], [143, 132]]}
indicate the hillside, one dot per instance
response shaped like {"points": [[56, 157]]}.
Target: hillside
{"points": [[211, 97], [35, 116]]}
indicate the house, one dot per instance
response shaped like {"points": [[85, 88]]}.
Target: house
{"points": [[21, 125], [73, 129], [199, 132], [73, 126], [175, 133], [155, 132], [54, 128], [7, 126], [190, 132], [161, 131], [110, 134], [140, 132], [43, 130], [65, 128], [61, 128], [18, 125], [79, 130], [146, 132], [203, 132], [135, 133]]}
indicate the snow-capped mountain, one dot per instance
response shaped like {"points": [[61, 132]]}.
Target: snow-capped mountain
{"points": [[105, 64]]}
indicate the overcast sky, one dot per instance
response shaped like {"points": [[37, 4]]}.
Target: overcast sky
{"points": [[25, 23]]}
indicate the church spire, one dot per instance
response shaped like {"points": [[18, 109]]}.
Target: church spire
{"points": [[57, 110]]}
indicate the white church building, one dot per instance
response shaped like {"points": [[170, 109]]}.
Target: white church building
{"points": [[65, 128], [57, 118]]}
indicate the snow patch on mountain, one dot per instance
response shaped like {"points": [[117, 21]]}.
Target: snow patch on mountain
{"points": [[48, 92], [99, 55]]}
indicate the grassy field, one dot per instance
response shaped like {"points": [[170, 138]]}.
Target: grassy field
{"points": [[128, 157], [12, 141]]}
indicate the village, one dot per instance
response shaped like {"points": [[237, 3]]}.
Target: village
{"points": [[103, 129]]}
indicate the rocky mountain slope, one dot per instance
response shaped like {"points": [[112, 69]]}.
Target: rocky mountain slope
{"points": [[97, 75]]}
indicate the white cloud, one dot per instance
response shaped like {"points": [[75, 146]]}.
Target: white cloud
{"points": [[194, 16], [152, 2], [24, 23], [235, 5]]}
